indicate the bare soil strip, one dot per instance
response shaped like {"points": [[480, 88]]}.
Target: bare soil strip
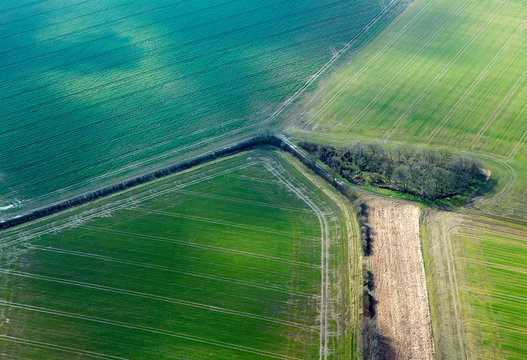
{"points": [[403, 310]]}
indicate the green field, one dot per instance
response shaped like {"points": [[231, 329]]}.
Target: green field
{"points": [[241, 259], [493, 288], [478, 285], [97, 90], [445, 74]]}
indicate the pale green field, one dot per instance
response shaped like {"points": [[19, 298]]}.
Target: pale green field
{"points": [[448, 74], [478, 286], [242, 259], [490, 260]]}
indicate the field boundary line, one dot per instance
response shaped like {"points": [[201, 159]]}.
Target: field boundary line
{"points": [[41, 344], [151, 330], [504, 102], [165, 268], [363, 69], [444, 70], [482, 76], [409, 63], [143, 295]]}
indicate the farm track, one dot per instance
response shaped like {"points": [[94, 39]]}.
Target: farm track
{"points": [[518, 146], [353, 248], [330, 62], [458, 312], [275, 169]]}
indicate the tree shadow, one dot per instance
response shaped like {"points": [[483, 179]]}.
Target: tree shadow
{"points": [[386, 350]]}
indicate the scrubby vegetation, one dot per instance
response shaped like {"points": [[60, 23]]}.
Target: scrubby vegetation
{"points": [[430, 174], [370, 337], [371, 349], [362, 218]]}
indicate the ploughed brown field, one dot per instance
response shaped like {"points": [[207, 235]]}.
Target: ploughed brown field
{"points": [[402, 310]]}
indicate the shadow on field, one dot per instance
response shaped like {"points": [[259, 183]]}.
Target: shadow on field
{"points": [[374, 345], [111, 51]]}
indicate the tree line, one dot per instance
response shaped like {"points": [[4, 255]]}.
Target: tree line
{"points": [[430, 174]]}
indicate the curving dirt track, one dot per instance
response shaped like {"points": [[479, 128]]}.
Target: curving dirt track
{"points": [[403, 311]]}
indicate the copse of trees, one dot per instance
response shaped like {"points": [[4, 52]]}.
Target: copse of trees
{"points": [[430, 174]]}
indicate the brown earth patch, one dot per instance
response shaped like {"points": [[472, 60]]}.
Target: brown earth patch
{"points": [[402, 309]]}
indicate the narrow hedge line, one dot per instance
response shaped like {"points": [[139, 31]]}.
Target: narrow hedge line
{"points": [[370, 338], [251, 143]]}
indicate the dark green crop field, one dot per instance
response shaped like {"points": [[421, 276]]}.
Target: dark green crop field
{"points": [[242, 259], [96, 90]]}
